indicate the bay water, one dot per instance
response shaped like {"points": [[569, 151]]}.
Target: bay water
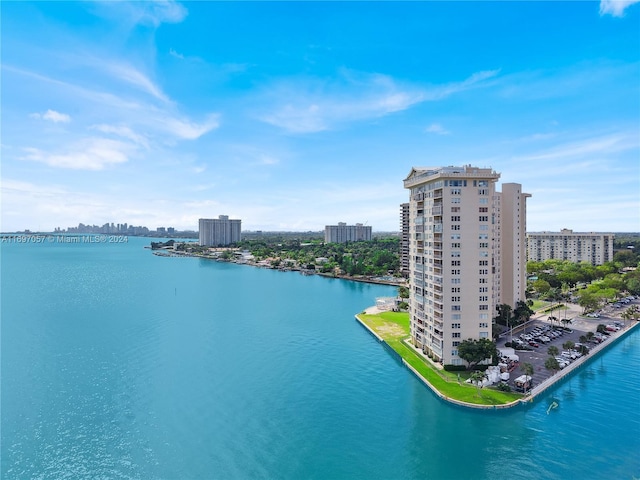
{"points": [[116, 363]]}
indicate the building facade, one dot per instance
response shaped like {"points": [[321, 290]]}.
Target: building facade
{"points": [[219, 231], [466, 255], [343, 233], [404, 239], [595, 248]]}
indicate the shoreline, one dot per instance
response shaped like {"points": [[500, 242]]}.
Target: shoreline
{"points": [[362, 279], [536, 391]]}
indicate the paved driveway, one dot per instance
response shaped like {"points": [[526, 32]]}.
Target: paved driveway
{"points": [[579, 325]]}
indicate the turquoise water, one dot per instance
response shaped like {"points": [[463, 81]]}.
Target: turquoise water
{"points": [[120, 364]]}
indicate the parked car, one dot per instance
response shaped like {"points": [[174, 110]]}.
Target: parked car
{"points": [[533, 344]]}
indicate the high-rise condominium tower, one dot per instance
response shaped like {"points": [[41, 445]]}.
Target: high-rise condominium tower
{"points": [[467, 255], [219, 231]]}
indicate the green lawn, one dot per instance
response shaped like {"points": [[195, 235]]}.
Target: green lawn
{"points": [[393, 327]]}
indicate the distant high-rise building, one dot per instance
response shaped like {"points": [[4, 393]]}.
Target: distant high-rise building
{"points": [[595, 248], [219, 231], [343, 233], [466, 255], [404, 239]]}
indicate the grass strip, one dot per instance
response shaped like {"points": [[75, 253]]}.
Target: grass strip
{"points": [[393, 328]]}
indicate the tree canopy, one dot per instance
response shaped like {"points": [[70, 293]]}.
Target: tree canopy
{"points": [[475, 351]]}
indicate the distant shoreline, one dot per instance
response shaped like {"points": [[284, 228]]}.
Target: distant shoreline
{"points": [[362, 278]]}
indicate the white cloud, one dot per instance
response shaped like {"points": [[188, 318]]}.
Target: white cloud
{"points": [[186, 129], [588, 148], [173, 53], [307, 105], [437, 129], [52, 116], [87, 154], [124, 132], [149, 13], [133, 76], [615, 8]]}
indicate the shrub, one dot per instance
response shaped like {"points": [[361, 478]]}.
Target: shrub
{"points": [[455, 368], [503, 387]]}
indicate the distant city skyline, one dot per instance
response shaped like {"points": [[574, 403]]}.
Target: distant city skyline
{"points": [[293, 116]]}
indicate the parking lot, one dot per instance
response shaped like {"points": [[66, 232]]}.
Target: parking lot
{"points": [[575, 328]]}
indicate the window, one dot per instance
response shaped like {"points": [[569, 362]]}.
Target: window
{"points": [[456, 191], [483, 201], [455, 281], [455, 316], [482, 280], [455, 325], [484, 244], [455, 263], [455, 200], [455, 209], [483, 271], [484, 210], [455, 227], [484, 263], [455, 254], [455, 343], [484, 334], [456, 183], [455, 299], [454, 352], [483, 183], [455, 308], [484, 289], [455, 245], [483, 325], [483, 218], [455, 218], [484, 307], [455, 271], [483, 298], [483, 236], [484, 316], [455, 335], [484, 228], [484, 253], [456, 289], [483, 191], [455, 236]]}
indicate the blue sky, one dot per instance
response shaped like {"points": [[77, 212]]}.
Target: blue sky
{"points": [[292, 116]]}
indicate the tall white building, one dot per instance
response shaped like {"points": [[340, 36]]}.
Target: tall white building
{"points": [[343, 233], [595, 248], [466, 255], [404, 239], [219, 231]]}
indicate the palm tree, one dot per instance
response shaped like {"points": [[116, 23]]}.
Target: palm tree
{"points": [[552, 364], [589, 336], [568, 345], [630, 313], [528, 370], [477, 377], [553, 350]]}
